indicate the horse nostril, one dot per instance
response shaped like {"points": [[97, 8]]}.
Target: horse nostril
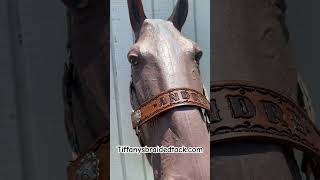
{"points": [[133, 59], [198, 56], [194, 74]]}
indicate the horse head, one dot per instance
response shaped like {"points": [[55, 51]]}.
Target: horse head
{"points": [[163, 59]]}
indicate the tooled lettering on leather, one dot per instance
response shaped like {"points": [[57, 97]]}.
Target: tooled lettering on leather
{"points": [[252, 45], [167, 100], [293, 125], [242, 110]]}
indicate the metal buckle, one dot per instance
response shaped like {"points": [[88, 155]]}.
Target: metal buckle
{"points": [[137, 119], [89, 167], [137, 116]]}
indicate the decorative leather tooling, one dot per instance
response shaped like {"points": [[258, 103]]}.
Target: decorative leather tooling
{"points": [[167, 100], [243, 111]]}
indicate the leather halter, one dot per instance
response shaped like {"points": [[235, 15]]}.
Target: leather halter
{"points": [[165, 101], [242, 110]]}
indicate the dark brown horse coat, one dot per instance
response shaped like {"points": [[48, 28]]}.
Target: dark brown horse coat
{"points": [[86, 81], [251, 43]]}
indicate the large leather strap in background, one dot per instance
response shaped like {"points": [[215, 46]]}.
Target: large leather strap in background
{"points": [[252, 44], [167, 100], [86, 87], [241, 110]]}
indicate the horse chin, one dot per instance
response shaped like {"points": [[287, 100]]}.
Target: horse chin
{"points": [[175, 177], [182, 126]]}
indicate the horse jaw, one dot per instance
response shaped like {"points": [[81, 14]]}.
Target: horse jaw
{"points": [[183, 126]]}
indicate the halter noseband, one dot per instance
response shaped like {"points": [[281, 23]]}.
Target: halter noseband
{"points": [[165, 101]]}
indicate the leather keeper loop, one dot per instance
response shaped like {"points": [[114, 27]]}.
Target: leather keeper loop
{"points": [[167, 100], [240, 111]]}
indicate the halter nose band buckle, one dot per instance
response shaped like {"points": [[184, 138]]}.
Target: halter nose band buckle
{"points": [[137, 118]]}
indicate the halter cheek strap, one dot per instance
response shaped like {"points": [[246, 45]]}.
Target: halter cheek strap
{"points": [[165, 101]]}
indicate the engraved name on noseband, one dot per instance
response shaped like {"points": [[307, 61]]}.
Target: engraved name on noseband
{"points": [[274, 113], [167, 100], [174, 97], [239, 110], [241, 107], [185, 95], [214, 113], [162, 101]]}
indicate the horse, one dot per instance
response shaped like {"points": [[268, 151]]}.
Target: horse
{"points": [[86, 89], [167, 93]]}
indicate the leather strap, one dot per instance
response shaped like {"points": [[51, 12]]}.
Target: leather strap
{"points": [[167, 100], [240, 110]]}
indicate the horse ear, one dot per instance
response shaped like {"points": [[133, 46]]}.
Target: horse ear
{"points": [[179, 14], [137, 15]]}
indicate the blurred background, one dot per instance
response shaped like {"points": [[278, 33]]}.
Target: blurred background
{"points": [[304, 28], [33, 142]]}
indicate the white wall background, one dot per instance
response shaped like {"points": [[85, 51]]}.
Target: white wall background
{"points": [[197, 28]]}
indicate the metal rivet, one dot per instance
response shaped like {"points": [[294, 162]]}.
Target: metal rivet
{"points": [[137, 116]]}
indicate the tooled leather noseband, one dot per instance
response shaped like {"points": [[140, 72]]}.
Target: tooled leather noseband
{"points": [[165, 101]]}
